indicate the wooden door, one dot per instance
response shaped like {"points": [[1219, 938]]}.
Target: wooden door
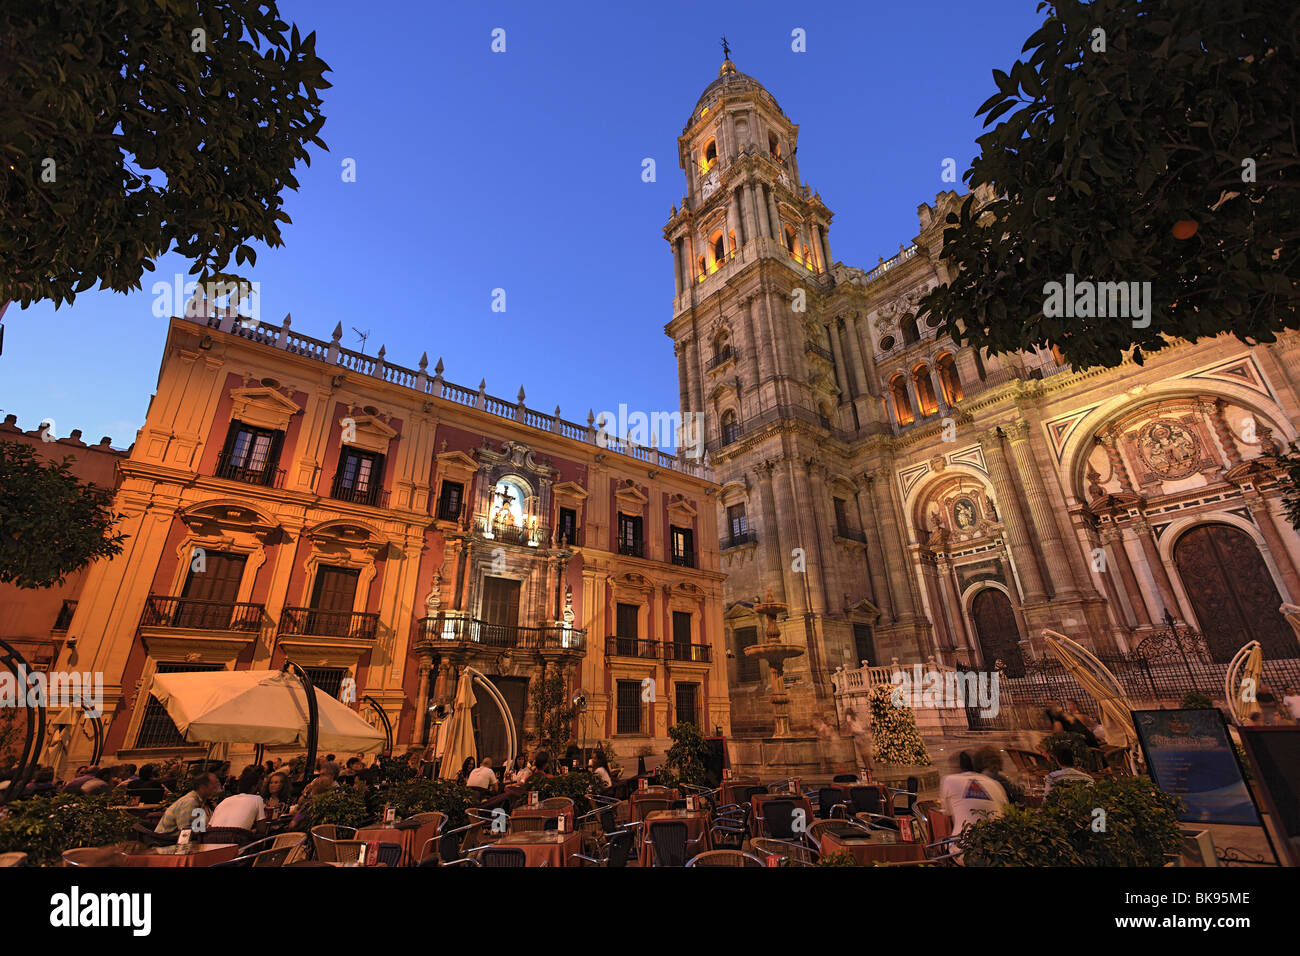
{"points": [[996, 630]]}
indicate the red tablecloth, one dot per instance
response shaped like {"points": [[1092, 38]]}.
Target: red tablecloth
{"points": [[878, 848], [697, 829], [637, 799], [195, 854], [757, 802], [556, 849], [543, 813], [730, 790], [411, 840]]}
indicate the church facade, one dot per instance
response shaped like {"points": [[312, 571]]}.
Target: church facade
{"points": [[909, 498]]}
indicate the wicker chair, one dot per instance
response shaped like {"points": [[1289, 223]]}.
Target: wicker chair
{"points": [[390, 854], [800, 854], [449, 843], [13, 859], [296, 842], [557, 803], [724, 858], [237, 835], [508, 857], [776, 819], [816, 829], [668, 843], [324, 838], [617, 849]]}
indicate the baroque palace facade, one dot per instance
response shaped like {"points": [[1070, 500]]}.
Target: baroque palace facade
{"points": [[909, 498], [290, 499]]}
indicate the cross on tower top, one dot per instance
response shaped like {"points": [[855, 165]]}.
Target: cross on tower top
{"points": [[726, 50]]}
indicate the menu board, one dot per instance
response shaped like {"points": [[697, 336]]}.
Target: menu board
{"points": [[1275, 754], [1189, 755]]}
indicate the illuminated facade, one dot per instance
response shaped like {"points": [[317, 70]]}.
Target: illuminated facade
{"points": [[288, 498], [910, 498]]}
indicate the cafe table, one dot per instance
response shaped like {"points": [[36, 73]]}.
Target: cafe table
{"points": [[543, 813], [637, 799], [410, 839], [193, 854], [759, 800], [730, 793], [877, 846], [697, 828], [544, 846]]}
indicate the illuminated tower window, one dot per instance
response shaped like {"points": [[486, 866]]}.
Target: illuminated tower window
{"points": [[710, 156], [925, 399], [902, 405]]}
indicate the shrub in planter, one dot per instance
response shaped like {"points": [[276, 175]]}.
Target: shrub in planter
{"points": [[393, 769], [341, 806], [1137, 826], [1084, 758], [572, 785], [425, 796], [1195, 700], [46, 825], [687, 754]]}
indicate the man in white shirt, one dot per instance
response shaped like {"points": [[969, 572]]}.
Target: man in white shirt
{"points": [[968, 796], [1291, 703], [244, 809], [483, 777]]}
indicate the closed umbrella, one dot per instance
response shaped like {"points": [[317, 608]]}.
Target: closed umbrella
{"points": [[1103, 686], [1245, 672], [460, 730], [258, 707]]}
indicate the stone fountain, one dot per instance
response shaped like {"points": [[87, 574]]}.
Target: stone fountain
{"points": [[784, 753], [775, 652]]}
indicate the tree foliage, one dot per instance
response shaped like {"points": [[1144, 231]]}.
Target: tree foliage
{"points": [[132, 127], [51, 524], [1187, 116]]}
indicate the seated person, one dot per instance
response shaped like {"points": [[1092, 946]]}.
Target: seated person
{"points": [[244, 809], [1067, 774], [146, 786], [192, 807], [482, 776], [967, 796]]}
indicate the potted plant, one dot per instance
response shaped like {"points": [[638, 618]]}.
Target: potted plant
{"points": [[44, 826], [341, 806]]}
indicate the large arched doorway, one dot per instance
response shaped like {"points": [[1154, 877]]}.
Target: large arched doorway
{"points": [[1232, 592], [996, 630]]}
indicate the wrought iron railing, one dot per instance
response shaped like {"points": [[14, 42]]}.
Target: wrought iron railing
{"points": [[846, 532], [736, 540], [631, 647], [471, 631], [368, 494], [532, 534], [684, 560], [355, 625], [817, 350], [64, 620], [700, 653], [723, 355], [267, 476], [161, 611], [634, 549]]}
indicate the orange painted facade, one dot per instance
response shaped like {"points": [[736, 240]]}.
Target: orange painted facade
{"points": [[290, 499]]}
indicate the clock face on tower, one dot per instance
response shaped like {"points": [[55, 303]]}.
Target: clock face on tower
{"points": [[710, 184]]}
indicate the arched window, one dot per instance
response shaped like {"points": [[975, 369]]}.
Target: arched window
{"points": [[997, 631], [791, 241], [979, 366], [950, 380], [902, 404], [710, 155], [925, 400], [774, 146], [701, 269], [719, 250], [907, 325], [730, 427]]}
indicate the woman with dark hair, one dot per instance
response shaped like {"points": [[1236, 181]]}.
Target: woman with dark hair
{"points": [[541, 764], [276, 793], [465, 770], [599, 767], [517, 773]]}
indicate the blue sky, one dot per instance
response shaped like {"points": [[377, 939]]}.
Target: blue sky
{"points": [[522, 171]]}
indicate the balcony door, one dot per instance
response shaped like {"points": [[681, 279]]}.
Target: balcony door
{"points": [[210, 592], [627, 629], [333, 596], [500, 612]]}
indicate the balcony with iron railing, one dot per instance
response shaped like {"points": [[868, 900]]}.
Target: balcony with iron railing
{"points": [[738, 540], [724, 354], [632, 549], [684, 560], [64, 619], [193, 614], [359, 494], [502, 528], [844, 531], [695, 653], [471, 633], [312, 622], [631, 647], [813, 348], [265, 475]]}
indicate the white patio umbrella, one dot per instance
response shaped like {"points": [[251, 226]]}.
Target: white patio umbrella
{"points": [[1102, 685], [1241, 683], [460, 733], [259, 707]]}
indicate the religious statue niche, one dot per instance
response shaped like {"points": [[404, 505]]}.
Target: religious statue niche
{"points": [[510, 518], [1169, 449], [964, 515]]}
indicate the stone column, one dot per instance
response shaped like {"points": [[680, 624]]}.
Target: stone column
{"points": [[1022, 548], [760, 209], [1113, 539], [824, 235], [733, 223], [1147, 539], [952, 600], [774, 217], [757, 359], [935, 383], [854, 343], [1048, 532], [841, 373], [901, 585], [677, 268], [1263, 515], [942, 626], [422, 698], [810, 530], [772, 551], [683, 385], [747, 201], [875, 554]]}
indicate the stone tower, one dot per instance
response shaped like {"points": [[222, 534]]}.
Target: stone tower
{"points": [[769, 356]]}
